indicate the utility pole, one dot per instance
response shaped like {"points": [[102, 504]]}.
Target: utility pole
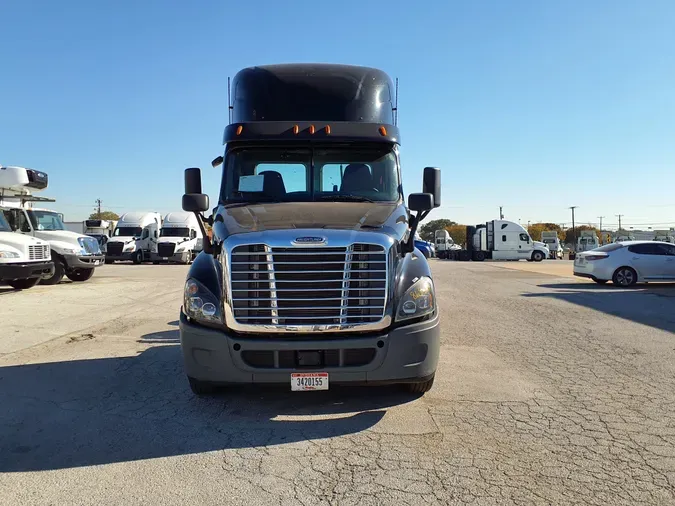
{"points": [[501, 214], [619, 216], [98, 206], [601, 240], [574, 230]]}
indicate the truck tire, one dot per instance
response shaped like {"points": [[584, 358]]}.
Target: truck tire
{"points": [[537, 256], [479, 256], [80, 274], [201, 388], [59, 272], [23, 284], [421, 388], [138, 257]]}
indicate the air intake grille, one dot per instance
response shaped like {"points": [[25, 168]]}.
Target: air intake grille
{"points": [[36, 253], [308, 286], [166, 249], [115, 248]]}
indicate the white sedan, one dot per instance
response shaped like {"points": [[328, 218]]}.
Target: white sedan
{"points": [[627, 263]]}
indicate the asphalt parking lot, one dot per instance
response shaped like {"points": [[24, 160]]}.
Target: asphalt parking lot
{"points": [[550, 390]]}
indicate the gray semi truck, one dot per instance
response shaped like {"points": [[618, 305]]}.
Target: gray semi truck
{"points": [[310, 277]]}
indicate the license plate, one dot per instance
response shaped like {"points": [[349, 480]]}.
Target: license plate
{"points": [[302, 381]]}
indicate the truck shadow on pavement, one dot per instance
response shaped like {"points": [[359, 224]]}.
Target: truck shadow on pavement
{"points": [[652, 304], [101, 411]]}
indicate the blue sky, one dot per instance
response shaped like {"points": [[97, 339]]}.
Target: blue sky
{"points": [[535, 106]]}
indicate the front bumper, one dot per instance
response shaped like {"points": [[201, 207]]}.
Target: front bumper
{"points": [[126, 255], [403, 355], [182, 257], [83, 261], [9, 272]]}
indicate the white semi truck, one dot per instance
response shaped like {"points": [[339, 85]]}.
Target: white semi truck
{"points": [[587, 241], [550, 238], [134, 238], [74, 255], [500, 240], [180, 239], [24, 261], [444, 244]]}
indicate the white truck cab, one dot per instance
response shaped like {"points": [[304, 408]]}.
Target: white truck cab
{"points": [[180, 239], [444, 244], [24, 261], [587, 241], [550, 238], [506, 240], [134, 238], [74, 255]]}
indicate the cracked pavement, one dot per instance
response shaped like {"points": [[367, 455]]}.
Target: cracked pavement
{"points": [[549, 391]]}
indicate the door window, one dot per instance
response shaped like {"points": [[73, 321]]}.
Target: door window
{"points": [[647, 249], [525, 238], [667, 249], [146, 233]]}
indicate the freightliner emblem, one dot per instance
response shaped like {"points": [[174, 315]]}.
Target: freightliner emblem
{"points": [[310, 240]]}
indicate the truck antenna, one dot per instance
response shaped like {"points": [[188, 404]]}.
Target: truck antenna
{"points": [[395, 109], [229, 103]]}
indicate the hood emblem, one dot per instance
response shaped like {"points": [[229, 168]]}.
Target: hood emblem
{"points": [[309, 240]]}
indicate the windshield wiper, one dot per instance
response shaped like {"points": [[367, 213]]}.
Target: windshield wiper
{"points": [[345, 198]]}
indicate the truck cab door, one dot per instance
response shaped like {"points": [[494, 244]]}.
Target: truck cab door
{"points": [[19, 221], [525, 246], [145, 242]]}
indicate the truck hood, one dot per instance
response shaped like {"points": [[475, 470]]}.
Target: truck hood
{"points": [[65, 236], [174, 240], [17, 240], [287, 215], [121, 239], [540, 244]]}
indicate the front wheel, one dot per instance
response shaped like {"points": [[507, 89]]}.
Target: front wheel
{"points": [[537, 256], [201, 388], [80, 274], [420, 388], [138, 257], [57, 276], [23, 284], [624, 276]]}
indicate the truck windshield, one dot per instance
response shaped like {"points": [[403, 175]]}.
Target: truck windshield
{"points": [[549, 241], [175, 232], [128, 232], [354, 173], [4, 225], [46, 220]]}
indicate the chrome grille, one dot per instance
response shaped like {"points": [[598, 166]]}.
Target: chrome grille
{"points": [[115, 248], [38, 253], [308, 286], [166, 249]]}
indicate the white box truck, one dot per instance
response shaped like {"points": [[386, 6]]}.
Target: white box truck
{"points": [[501, 240], [24, 260], [74, 255], [101, 230], [180, 239], [134, 237], [555, 247]]}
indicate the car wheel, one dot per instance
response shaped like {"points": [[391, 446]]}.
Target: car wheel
{"points": [[601, 281], [200, 387], [537, 256], [55, 278], [23, 284], [624, 276], [80, 274], [420, 388], [138, 257]]}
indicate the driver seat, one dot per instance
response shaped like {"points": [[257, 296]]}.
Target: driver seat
{"points": [[357, 178]]}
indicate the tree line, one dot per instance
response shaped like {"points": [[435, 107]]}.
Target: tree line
{"points": [[458, 231]]}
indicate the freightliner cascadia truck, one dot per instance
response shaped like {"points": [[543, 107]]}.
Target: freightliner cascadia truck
{"points": [[310, 277]]}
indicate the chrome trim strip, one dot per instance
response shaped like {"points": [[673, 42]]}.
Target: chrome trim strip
{"points": [[345, 284]]}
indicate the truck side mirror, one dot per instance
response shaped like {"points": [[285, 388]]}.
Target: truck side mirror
{"points": [[194, 200], [421, 202], [217, 161], [431, 183]]}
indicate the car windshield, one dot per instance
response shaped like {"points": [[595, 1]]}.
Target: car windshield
{"points": [[127, 232], [175, 232], [46, 220], [4, 225], [355, 174]]}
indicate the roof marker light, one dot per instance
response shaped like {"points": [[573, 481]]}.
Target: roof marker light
{"points": [[311, 129], [383, 131], [327, 129], [296, 129], [240, 129]]}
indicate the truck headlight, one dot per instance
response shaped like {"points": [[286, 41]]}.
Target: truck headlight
{"points": [[130, 247], [73, 251], [418, 300], [8, 254], [199, 303]]}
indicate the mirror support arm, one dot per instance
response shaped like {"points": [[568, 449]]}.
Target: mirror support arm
{"points": [[409, 245], [207, 246]]}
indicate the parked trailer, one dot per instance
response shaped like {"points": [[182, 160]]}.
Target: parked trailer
{"points": [[500, 240]]}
